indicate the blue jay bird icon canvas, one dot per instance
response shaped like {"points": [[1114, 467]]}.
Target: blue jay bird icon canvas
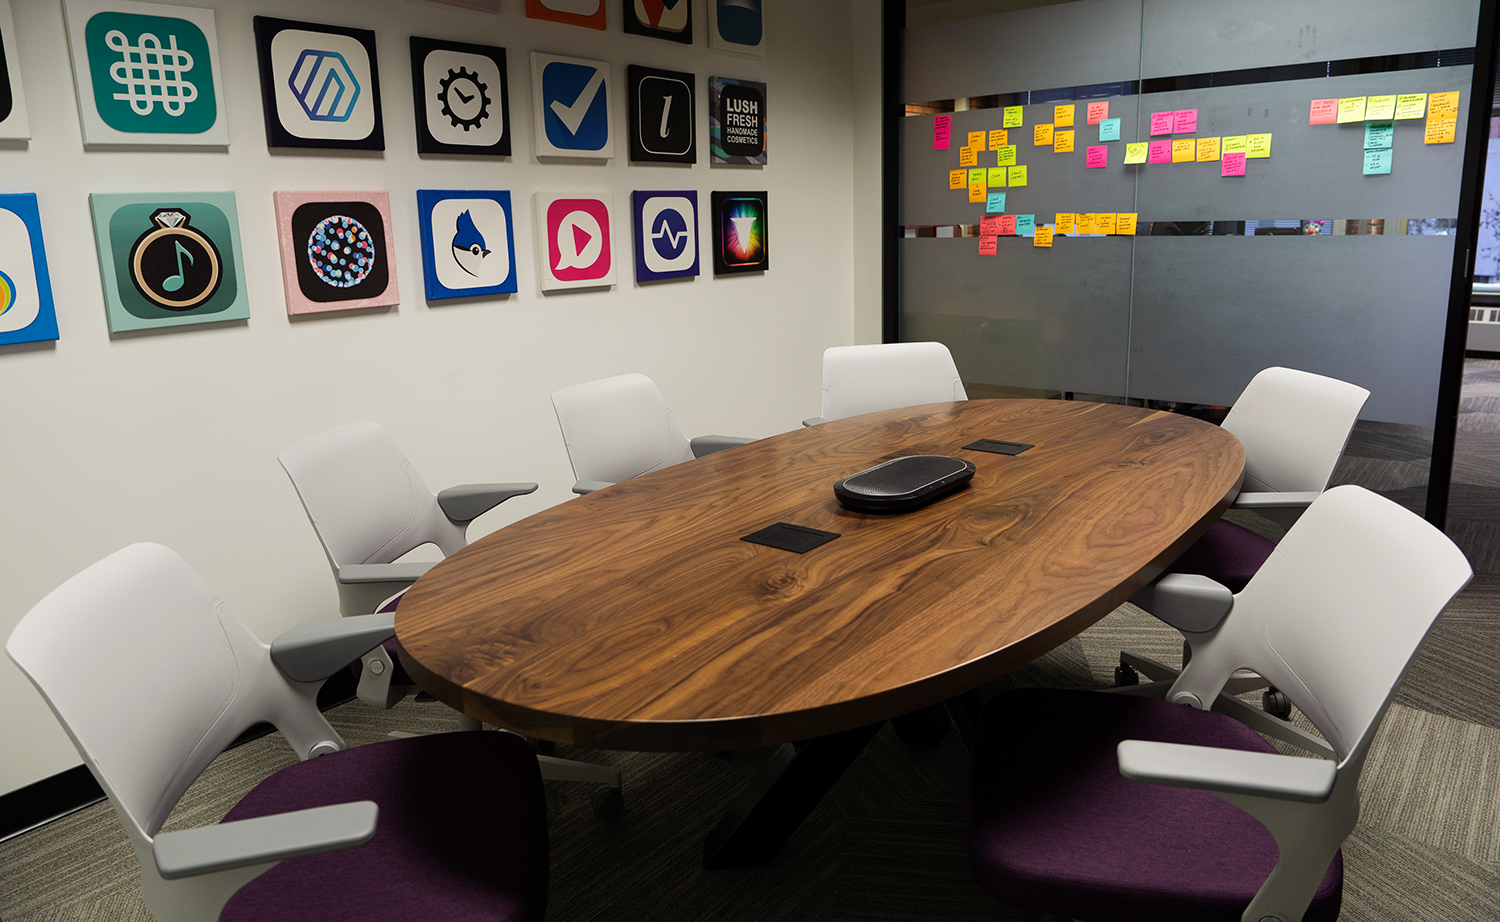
{"points": [[468, 244]]}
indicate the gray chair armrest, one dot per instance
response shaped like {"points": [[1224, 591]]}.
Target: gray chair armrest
{"points": [[466, 503], [384, 572], [589, 486], [315, 650], [264, 840], [1254, 501], [1229, 771], [814, 421], [708, 444], [1191, 603]]}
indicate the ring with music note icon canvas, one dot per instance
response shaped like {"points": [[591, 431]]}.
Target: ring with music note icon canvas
{"points": [[337, 251], [146, 73], [169, 260]]}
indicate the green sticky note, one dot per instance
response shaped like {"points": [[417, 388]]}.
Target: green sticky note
{"points": [[1005, 155], [1377, 161], [1018, 176], [995, 176], [1109, 129], [995, 203], [977, 176], [1379, 134], [1025, 225], [1136, 153]]}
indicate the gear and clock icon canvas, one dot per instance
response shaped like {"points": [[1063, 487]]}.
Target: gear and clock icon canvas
{"points": [[463, 98]]}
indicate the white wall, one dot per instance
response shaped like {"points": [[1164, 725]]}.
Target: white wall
{"points": [[173, 437]]}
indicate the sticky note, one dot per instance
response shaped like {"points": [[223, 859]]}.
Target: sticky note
{"points": [[1183, 151], [1065, 222], [1007, 225], [988, 245], [1260, 146], [1109, 129], [1135, 153], [1025, 224], [1097, 112], [1379, 134], [967, 156], [994, 176], [1411, 105], [995, 201], [1440, 130], [1085, 223], [1324, 112], [1012, 117], [1208, 150], [1125, 223], [1161, 122], [1232, 164], [1351, 109], [1377, 161], [989, 225], [940, 129], [1096, 157], [1042, 237], [1041, 135], [977, 191], [1006, 155], [958, 179], [1062, 142], [1018, 176], [1237, 144], [1380, 107], [1161, 152], [1185, 121], [976, 140], [1443, 105], [1104, 223], [998, 138], [978, 176], [1062, 116]]}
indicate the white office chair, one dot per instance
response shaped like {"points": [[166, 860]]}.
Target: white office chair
{"points": [[864, 379], [621, 427]]}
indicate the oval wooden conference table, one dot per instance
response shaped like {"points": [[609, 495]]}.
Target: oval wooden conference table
{"points": [[635, 618]]}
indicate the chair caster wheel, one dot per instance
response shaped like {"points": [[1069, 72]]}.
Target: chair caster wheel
{"points": [[607, 802], [1126, 675], [1276, 704], [541, 745]]}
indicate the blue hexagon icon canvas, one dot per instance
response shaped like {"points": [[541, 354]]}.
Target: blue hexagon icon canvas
{"points": [[319, 85], [27, 314], [468, 243]]}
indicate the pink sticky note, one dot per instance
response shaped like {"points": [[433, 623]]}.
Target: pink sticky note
{"points": [[1098, 112], [1096, 158], [1184, 121], [1160, 151], [1007, 224], [1161, 122], [1233, 164], [942, 126], [989, 225], [987, 246], [1324, 112]]}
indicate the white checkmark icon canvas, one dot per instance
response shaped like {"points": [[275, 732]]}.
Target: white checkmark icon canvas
{"points": [[570, 113]]}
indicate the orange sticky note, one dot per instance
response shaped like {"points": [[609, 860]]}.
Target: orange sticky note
{"points": [[968, 156], [958, 179], [1183, 151], [1041, 135], [1096, 113], [1085, 223], [1062, 142], [1104, 223], [1042, 237], [1443, 105], [976, 140], [977, 192], [1324, 112], [1125, 223], [987, 246], [998, 138], [1208, 150], [1440, 130], [1062, 116], [1065, 222]]}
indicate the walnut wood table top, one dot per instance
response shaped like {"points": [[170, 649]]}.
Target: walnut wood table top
{"points": [[635, 617]]}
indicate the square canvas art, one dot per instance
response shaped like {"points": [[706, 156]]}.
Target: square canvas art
{"points": [[586, 13], [27, 314], [146, 74], [667, 19], [736, 25], [574, 245], [319, 85], [666, 234], [463, 101], [13, 121], [741, 240], [736, 121], [337, 251], [661, 115], [169, 260], [571, 107], [468, 243]]}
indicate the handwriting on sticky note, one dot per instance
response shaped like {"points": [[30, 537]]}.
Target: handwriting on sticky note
{"points": [[941, 126], [1062, 116], [967, 156], [1104, 223], [1097, 112], [1324, 112], [1042, 237], [998, 138], [977, 176], [1380, 107], [1182, 150], [1161, 122], [988, 245], [1377, 162], [1161, 152], [1018, 176], [1232, 164], [1185, 121], [1208, 150], [1065, 221], [1440, 130], [958, 179], [1443, 105], [994, 176], [1136, 153], [1109, 129], [1411, 105], [1096, 157], [1085, 224], [995, 202], [1125, 223], [1041, 135], [976, 140], [1025, 224], [1379, 134], [1007, 225], [989, 225], [1351, 109], [1006, 155], [1012, 117], [1236, 144], [977, 192], [1062, 142], [1259, 146]]}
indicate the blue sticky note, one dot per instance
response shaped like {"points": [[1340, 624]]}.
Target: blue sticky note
{"points": [[995, 202], [1377, 161], [1109, 129], [1379, 134], [1025, 225]]}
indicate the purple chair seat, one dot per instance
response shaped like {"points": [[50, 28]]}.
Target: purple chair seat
{"points": [[462, 834], [1226, 553], [1055, 827]]}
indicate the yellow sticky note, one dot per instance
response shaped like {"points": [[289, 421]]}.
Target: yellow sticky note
{"points": [[1352, 109], [1182, 151], [968, 156], [1411, 105], [1208, 150], [1238, 144], [995, 176], [1085, 223], [1136, 153], [977, 192], [1017, 175], [1006, 155], [1042, 237], [1062, 142], [1260, 146], [976, 140], [1440, 130], [1125, 223], [1012, 117], [1065, 221], [957, 179], [1062, 116], [1104, 223], [1443, 105], [1380, 108], [977, 176], [998, 138], [1041, 135]]}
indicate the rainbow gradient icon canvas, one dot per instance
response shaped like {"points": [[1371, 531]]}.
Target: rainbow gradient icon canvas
{"points": [[741, 237]]}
